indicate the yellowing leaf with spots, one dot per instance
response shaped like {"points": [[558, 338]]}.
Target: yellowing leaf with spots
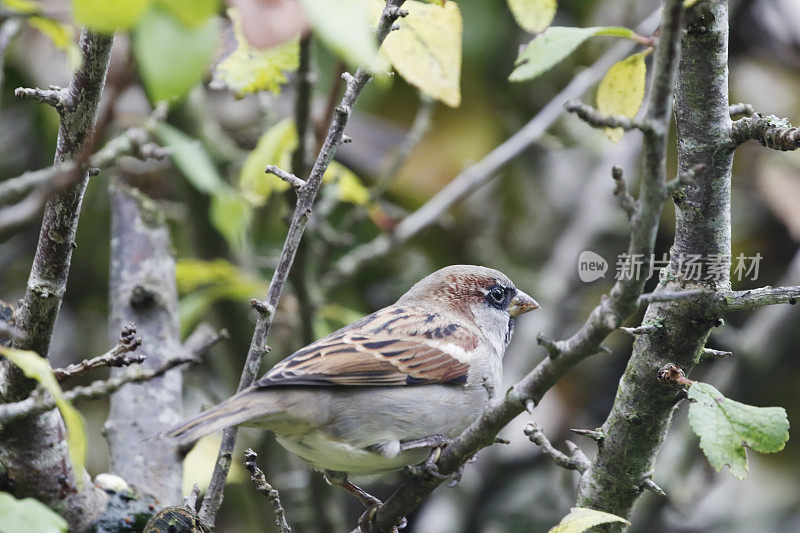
{"points": [[36, 367], [533, 15], [622, 90], [249, 69], [426, 49]]}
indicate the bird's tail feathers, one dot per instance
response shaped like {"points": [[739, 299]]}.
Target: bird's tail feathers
{"points": [[237, 409]]}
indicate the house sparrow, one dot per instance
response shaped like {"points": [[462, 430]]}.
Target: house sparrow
{"points": [[387, 390]]}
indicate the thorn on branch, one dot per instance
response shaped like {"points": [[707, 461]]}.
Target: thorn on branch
{"points": [[741, 109], [550, 345], [288, 177], [262, 486], [626, 201], [647, 483], [708, 353], [594, 434], [596, 119], [672, 374], [576, 460]]}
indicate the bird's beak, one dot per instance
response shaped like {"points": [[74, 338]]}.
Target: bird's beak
{"points": [[522, 303]]}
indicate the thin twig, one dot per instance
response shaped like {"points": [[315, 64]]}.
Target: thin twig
{"points": [[117, 356], [576, 460], [755, 298], [288, 177], [644, 329], [596, 119], [482, 172], [305, 201], [626, 201], [262, 486], [741, 109], [39, 402], [709, 353]]}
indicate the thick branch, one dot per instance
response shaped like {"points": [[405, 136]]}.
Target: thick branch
{"points": [[305, 201], [33, 452], [482, 172]]}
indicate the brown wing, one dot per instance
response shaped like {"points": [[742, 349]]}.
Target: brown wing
{"points": [[398, 345]]}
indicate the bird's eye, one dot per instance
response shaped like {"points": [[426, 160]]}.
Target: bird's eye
{"points": [[497, 295]]}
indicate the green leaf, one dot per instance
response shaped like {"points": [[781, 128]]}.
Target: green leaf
{"points": [[621, 91], [36, 367], [426, 49], [580, 519], [249, 69], [191, 13], [202, 283], [725, 427], [231, 215], [346, 28], [108, 15], [22, 516], [533, 15], [190, 157], [274, 147], [172, 57], [553, 45]]}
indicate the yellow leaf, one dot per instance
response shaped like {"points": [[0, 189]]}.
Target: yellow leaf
{"points": [[348, 187], [533, 15], [622, 90], [62, 35], [36, 367], [275, 147], [26, 7], [426, 49], [198, 465], [249, 69]]}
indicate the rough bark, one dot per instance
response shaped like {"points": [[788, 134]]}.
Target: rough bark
{"points": [[642, 411], [142, 291], [33, 456]]}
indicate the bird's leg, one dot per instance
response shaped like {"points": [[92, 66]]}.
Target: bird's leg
{"points": [[436, 443], [370, 502], [340, 480]]}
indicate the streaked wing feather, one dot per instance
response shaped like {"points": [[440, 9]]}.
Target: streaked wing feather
{"points": [[393, 347]]}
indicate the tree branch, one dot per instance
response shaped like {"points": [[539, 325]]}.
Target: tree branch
{"points": [[596, 119], [477, 175], [262, 486], [305, 201], [33, 453], [576, 460], [118, 356], [771, 131]]}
